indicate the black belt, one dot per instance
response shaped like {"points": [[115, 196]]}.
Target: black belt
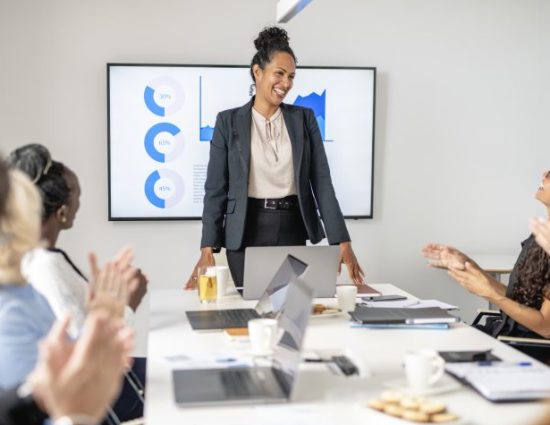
{"points": [[286, 203]]}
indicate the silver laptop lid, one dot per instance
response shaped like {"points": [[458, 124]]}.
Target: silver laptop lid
{"points": [[274, 296], [293, 322], [261, 263]]}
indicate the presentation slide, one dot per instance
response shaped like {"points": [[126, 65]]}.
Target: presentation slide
{"points": [[161, 121]]}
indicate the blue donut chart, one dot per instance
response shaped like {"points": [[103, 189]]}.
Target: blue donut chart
{"points": [[176, 96], [155, 130], [149, 97], [151, 188]]}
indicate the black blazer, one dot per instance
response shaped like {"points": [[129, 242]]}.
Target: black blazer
{"points": [[226, 187]]}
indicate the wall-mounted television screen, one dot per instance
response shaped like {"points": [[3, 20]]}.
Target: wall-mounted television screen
{"points": [[161, 119]]}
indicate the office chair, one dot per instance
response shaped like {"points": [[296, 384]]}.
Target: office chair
{"points": [[538, 348]]}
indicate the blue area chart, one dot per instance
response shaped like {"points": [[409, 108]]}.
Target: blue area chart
{"points": [[164, 188], [314, 101], [164, 142], [318, 104], [163, 96], [205, 133]]}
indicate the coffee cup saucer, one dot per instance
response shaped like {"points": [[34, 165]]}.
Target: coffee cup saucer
{"points": [[445, 385]]}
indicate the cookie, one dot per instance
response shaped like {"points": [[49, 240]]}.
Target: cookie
{"points": [[411, 403], [415, 416], [444, 417], [392, 397], [432, 408], [319, 308], [376, 404], [393, 410]]}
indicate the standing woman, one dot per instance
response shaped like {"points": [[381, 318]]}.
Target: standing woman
{"points": [[268, 171]]}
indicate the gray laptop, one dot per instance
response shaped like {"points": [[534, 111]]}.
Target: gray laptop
{"points": [[254, 385], [269, 304], [408, 316], [262, 262]]}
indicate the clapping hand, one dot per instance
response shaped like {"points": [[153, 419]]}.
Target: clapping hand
{"points": [[108, 288], [475, 280], [82, 378], [444, 256]]}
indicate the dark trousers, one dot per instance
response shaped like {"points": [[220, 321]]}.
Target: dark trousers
{"points": [[265, 227]]}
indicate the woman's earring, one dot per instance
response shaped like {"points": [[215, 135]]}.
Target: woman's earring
{"points": [[251, 89], [63, 219]]}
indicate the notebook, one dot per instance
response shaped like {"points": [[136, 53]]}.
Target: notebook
{"points": [[504, 381], [417, 316]]}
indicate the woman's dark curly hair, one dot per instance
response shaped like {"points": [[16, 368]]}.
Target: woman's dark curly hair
{"points": [[48, 176], [533, 277], [270, 41]]}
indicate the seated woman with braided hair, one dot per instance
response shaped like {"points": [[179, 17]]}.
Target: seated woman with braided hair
{"points": [[525, 302]]}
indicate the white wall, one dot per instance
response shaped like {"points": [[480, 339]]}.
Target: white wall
{"points": [[462, 127]]}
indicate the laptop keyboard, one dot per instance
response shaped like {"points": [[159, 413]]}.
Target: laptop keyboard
{"points": [[240, 317], [239, 383]]}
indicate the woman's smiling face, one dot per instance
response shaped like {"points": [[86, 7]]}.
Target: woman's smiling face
{"points": [[275, 80]]}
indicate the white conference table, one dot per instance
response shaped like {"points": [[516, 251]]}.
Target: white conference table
{"points": [[320, 396]]}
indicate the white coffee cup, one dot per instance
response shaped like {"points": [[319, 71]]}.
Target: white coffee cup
{"points": [[423, 368], [222, 276], [346, 295], [263, 335]]}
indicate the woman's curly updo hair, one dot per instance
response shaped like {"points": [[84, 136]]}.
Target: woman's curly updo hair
{"points": [[49, 176], [270, 41]]}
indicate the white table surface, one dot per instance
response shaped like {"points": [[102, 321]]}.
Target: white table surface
{"points": [[320, 397]]}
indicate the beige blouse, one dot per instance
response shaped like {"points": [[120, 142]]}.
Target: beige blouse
{"points": [[271, 171]]}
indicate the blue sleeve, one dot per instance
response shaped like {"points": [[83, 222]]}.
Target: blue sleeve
{"points": [[19, 344]]}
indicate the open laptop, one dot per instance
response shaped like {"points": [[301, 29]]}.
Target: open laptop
{"points": [[270, 302], [254, 385], [262, 262]]}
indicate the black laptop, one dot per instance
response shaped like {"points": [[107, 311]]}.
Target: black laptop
{"points": [[269, 304]]}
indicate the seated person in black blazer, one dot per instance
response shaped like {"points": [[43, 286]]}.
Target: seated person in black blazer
{"points": [[525, 303]]}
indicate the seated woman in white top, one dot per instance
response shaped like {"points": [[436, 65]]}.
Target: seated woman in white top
{"points": [[50, 269], [55, 276]]}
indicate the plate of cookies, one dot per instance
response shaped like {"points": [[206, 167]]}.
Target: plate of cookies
{"points": [[412, 409], [323, 310]]}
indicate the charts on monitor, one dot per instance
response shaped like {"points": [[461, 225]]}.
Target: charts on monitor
{"points": [[162, 118]]}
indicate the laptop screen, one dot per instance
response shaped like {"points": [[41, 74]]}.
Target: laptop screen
{"points": [[293, 322], [274, 296]]}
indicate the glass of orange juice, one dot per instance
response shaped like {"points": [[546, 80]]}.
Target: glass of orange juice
{"points": [[207, 285]]}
